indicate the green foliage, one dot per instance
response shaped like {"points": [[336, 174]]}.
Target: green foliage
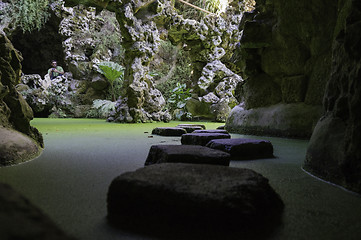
{"points": [[101, 109], [113, 72], [179, 97], [182, 71], [28, 15]]}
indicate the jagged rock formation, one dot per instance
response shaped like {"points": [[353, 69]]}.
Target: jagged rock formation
{"points": [[285, 56], [78, 39], [334, 150], [210, 41], [15, 113]]}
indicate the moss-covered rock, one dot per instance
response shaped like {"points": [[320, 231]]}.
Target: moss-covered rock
{"points": [[15, 113]]}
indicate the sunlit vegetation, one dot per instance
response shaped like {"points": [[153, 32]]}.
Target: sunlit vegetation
{"points": [[27, 15], [114, 74], [213, 6]]}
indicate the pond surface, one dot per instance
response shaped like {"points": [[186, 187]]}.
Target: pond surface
{"points": [[69, 181]]}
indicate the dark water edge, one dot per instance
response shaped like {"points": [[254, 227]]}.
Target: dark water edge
{"points": [[69, 180]]}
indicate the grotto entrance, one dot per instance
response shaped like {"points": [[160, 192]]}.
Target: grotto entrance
{"points": [[38, 48]]}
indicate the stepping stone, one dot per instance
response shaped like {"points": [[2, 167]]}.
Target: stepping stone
{"points": [[211, 131], [192, 127], [241, 149], [22, 220], [186, 154], [201, 138], [169, 131], [221, 127], [179, 198]]}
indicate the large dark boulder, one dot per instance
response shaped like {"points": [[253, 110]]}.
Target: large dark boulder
{"points": [[193, 200], [186, 154], [201, 138], [241, 149], [19, 219], [334, 151]]}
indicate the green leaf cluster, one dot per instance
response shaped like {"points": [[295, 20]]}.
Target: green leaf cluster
{"points": [[28, 15], [180, 95], [114, 73]]}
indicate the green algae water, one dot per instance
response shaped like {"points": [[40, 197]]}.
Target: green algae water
{"points": [[69, 181]]}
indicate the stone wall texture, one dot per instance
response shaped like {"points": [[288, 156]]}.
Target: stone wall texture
{"points": [[334, 151], [15, 113], [285, 56]]}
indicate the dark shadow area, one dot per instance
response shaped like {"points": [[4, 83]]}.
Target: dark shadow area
{"points": [[184, 229]]}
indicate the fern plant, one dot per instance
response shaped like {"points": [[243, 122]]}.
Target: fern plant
{"points": [[113, 72], [28, 15]]}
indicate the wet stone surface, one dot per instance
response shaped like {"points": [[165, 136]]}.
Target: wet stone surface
{"points": [[201, 138], [186, 154], [194, 200], [242, 149], [169, 131]]}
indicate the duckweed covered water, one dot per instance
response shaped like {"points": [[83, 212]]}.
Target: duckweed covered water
{"points": [[69, 181]]}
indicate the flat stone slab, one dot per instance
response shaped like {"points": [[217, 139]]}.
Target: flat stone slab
{"points": [[242, 149], [186, 154], [192, 127], [186, 198], [211, 131], [201, 138], [169, 131], [19, 219]]}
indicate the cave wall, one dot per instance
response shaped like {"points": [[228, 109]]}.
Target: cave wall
{"points": [[15, 113], [334, 151], [285, 57]]}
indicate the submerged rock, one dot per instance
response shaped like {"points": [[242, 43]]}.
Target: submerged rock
{"points": [[186, 154], [21, 220], [241, 149], [194, 200]]}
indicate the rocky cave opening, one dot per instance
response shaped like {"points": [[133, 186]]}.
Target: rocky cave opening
{"points": [[39, 48]]}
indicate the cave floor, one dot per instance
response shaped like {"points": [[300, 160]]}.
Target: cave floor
{"points": [[69, 181]]}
